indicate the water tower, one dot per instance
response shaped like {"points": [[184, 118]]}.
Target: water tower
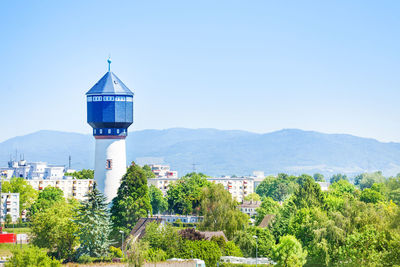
{"points": [[110, 113]]}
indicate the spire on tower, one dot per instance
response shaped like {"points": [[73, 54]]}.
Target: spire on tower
{"points": [[109, 63]]}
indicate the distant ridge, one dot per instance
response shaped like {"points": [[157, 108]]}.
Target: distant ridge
{"points": [[221, 152]]}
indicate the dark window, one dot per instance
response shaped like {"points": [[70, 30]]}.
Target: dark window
{"points": [[109, 164]]}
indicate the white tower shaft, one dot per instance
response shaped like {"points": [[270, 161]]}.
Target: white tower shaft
{"points": [[110, 165]]}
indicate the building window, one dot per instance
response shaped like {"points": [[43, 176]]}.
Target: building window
{"points": [[89, 99], [129, 99], [109, 164], [109, 131]]}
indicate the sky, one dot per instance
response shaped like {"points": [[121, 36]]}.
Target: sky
{"points": [[260, 66]]}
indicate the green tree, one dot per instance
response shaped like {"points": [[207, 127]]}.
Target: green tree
{"points": [[158, 203], [132, 201], [278, 188], [54, 229], [308, 194], [366, 180], [47, 197], [94, 226], [31, 256], [83, 174], [27, 195], [184, 195], [289, 252], [252, 197], [137, 252], [165, 238], [220, 211], [8, 219], [318, 177], [268, 206], [337, 177], [200, 249], [149, 173], [369, 195], [230, 249]]}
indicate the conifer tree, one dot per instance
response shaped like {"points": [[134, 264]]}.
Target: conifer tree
{"points": [[94, 224]]}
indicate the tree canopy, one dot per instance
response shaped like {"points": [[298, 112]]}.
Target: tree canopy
{"points": [[132, 201]]}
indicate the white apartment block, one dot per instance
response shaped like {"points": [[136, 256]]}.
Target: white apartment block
{"points": [[33, 170], [9, 205], [163, 171], [72, 188], [239, 187]]}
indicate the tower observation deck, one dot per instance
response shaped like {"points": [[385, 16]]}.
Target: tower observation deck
{"points": [[109, 113]]}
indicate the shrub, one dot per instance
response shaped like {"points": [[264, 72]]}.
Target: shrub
{"points": [[31, 256], [200, 249], [155, 255], [231, 249], [85, 259], [115, 252]]}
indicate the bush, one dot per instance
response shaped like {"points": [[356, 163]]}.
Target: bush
{"points": [[231, 249], [85, 259], [31, 256], [155, 255], [115, 252], [200, 249]]}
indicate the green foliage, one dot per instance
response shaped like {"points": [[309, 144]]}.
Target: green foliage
{"points": [[308, 193], [158, 203], [369, 195], [165, 238], [132, 201], [230, 249], [54, 229], [137, 252], [366, 180], [94, 226], [155, 255], [289, 252], [184, 195], [27, 195], [31, 256], [83, 174], [200, 249], [318, 177], [149, 173], [115, 252], [8, 218], [220, 211], [337, 177], [268, 206], [278, 188], [47, 197], [252, 197], [226, 264]]}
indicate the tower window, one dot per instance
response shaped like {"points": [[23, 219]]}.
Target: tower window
{"points": [[109, 164]]}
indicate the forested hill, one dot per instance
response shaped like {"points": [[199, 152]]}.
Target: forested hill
{"points": [[218, 152]]}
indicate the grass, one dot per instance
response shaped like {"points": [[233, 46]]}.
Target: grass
{"points": [[5, 248], [24, 230]]}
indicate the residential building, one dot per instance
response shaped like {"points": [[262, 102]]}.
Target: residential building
{"points": [[9, 205], [72, 188], [239, 187], [249, 207], [33, 170], [163, 171]]}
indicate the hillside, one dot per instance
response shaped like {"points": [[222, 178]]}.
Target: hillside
{"points": [[219, 152]]}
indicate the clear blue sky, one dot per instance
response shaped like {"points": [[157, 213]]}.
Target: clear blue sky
{"points": [[329, 66]]}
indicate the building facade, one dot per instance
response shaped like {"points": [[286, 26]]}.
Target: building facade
{"points": [[9, 206], [163, 171], [33, 170], [239, 187], [72, 188], [109, 113]]}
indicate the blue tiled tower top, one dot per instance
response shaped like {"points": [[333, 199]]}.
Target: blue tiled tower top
{"points": [[110, 84]]}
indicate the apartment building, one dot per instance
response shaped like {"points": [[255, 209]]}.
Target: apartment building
{"points": [[9, 205], [72, 188]]}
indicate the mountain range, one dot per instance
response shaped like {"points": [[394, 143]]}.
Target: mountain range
{"points": [[219, 152]]}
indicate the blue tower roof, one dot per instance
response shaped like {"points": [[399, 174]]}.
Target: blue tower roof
{"points": [[109, 84]]}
